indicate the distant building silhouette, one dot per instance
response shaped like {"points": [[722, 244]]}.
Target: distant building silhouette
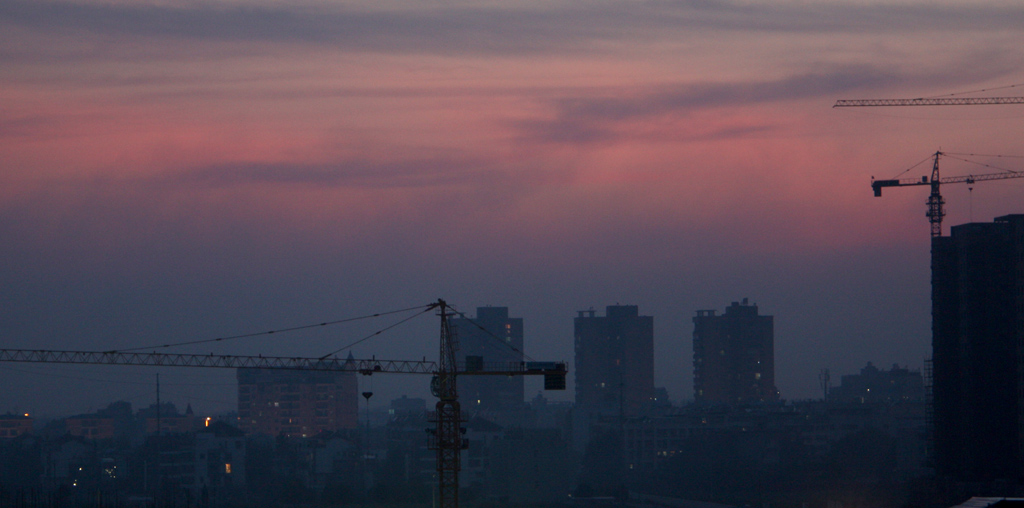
{"points": [[734, 356], [614, 361], [710, 438], [406, 406], [167, 418], [296, 403], [493, 337], [879, 386], [977, 335], [210, 459], [115, 420], [90, 426], [12, 425]]}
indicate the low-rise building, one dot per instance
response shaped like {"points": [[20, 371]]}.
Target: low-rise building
{"points": [[12, 425]]}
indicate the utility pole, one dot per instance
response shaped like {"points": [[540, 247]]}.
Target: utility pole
{"points": [[159, 443]]}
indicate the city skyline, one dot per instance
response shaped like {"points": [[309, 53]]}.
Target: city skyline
{"points": [[221, 406], [176, 172]]}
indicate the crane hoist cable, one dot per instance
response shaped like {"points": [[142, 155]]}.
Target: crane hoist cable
{"points": [[954, 94], [270, 332], [378, 332]]}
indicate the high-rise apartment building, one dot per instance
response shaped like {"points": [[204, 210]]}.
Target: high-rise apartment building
{"points": [[977, 340], [734, 356], [492, 337], [614, 361], [296, 403]]}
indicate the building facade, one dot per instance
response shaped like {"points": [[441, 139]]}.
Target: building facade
{"points": [[494, 337], [734, 356], [296, 403], [977, 339], [614, 361]]}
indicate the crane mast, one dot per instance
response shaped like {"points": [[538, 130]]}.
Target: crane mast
{"points": [[446, 438], [935, 211]]}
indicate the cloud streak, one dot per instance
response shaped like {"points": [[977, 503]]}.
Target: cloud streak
{"points": [[596, 116], [514, 28], [600, 117], [364, 174]]}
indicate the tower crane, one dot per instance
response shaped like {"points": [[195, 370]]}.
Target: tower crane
{"points": [[446, 438], [935, 201], [939, 101]]}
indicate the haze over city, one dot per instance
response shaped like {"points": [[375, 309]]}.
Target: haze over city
{"points": [[179, 171]]}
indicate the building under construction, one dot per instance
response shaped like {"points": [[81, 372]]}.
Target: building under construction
{"points": [[977, 335]]}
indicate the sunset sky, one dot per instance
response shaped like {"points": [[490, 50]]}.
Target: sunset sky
{"points": [[178, 170]]}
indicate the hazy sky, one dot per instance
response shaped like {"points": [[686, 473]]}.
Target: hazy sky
{"points": [[177, 170]]}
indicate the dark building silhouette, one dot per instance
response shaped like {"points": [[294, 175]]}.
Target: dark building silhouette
{"points": [[90, 426], [734, 356], [113, 421], [12, 425], [296, 403], [407, 406], [614, 361], [168, 420], [977, 336], [879, 386], [493, 337]]}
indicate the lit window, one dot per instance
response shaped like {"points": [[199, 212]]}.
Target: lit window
{"points": [[227, 468]]}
